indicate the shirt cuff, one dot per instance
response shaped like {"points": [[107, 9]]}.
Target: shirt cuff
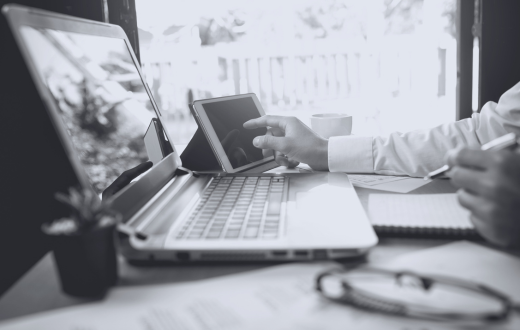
{"points": [[352, 154]]}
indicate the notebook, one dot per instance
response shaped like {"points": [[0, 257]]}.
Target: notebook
{"points": [[430, 215]]}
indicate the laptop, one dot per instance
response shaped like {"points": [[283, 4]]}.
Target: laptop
{"points": [[93, 90]]}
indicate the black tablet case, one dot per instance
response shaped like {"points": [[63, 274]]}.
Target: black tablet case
{"points": [[199, 155]]}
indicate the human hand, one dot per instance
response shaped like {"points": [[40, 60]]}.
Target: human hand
{"points": [[490, 190], [125, 178], [291, 142]]}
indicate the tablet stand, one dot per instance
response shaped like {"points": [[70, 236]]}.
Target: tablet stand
{"points": [[198, 155]]}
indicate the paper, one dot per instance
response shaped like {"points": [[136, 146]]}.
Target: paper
{"points": [[435, 211], [466, 260], [463, 259], [242, 301], [399, 184], [373, 180], [277, 298]]}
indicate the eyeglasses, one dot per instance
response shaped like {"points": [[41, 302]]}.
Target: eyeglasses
{"points": [[412, 295]]}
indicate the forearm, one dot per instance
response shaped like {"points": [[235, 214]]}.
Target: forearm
{"points": [[419, 152], [415, 153]]}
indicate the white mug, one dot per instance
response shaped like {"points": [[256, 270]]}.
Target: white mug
{"points": [[331, 124]]}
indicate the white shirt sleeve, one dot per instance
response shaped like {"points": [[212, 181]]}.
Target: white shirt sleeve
{"points": [[418, 152]]}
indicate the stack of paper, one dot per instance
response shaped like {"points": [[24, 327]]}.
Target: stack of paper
{"points": [[418, 211]]}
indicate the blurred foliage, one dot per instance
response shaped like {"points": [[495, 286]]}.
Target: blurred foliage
{"points": [[88, 213], [322, 19], [106, 144]]}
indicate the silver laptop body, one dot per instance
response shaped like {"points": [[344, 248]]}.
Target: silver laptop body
{"points": [[171, 213]]}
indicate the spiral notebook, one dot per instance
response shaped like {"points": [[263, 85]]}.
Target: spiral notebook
{"points": [[430, 215]]}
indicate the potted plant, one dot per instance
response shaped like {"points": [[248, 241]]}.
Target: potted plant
{"points": [[84, 244]]}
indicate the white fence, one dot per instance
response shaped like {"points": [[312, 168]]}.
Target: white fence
{"points": [[300, 74]]}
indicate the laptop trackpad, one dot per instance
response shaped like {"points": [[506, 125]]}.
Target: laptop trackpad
{"points": [[319, 214]]}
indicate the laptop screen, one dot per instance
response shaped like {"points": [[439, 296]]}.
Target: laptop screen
{"points": [[100, 96]]}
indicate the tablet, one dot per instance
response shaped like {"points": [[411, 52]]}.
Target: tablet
{"points": [[222, 121]]}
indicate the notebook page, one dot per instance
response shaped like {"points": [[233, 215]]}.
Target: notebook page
{"points": [[434, 211], [372, 180]]}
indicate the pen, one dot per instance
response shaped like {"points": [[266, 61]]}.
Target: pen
{"points": [[506, 141]]}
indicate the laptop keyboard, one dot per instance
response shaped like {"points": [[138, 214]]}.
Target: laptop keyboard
{"points": [[237, 207]]}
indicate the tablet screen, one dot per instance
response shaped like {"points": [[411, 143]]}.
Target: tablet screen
{"points": [[227, 119]]}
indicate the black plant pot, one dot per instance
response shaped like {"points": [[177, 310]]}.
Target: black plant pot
{"points": [[87, 262]]}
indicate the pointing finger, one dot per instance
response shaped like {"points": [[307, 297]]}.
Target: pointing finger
{"points": [[265, 121], [270, 142]]}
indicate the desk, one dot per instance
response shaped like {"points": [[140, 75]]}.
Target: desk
{"points": [[38, 290]]}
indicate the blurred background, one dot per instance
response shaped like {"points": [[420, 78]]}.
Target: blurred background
{"points": [[389, 63]]}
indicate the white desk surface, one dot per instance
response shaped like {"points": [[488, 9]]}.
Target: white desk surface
{"points": [[38, 290]]}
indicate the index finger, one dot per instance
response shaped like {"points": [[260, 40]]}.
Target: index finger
{"points": [[265, 121]]}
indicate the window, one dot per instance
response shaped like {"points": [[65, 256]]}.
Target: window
{"points": [[389, 63]]}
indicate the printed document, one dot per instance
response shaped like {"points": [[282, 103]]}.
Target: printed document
{"points": [[461, 259], [278, 298], [399, 184], [242, 301]]}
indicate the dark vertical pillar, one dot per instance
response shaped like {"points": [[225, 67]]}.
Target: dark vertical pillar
{"points": [[88, 9], [464, 23], [499, 48], [123, 13], [34, 166], [94, 10], [119, 12]]}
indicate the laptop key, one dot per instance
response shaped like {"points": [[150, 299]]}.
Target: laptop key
{"points": [[213, 235], [275, 204], [233, 233], [269, 232], [251, 232], [236, 207]]}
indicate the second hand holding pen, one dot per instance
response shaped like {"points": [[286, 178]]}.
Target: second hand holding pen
{"points": [[506, 141]]}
